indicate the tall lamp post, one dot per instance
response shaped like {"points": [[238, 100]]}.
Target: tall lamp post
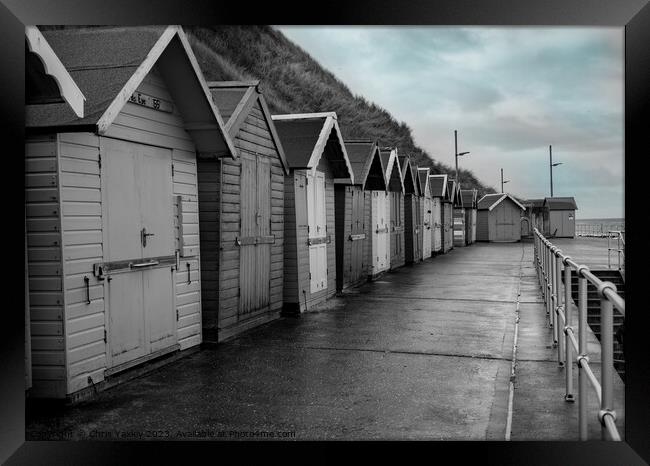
{"points": [[551, 165], [503, 181], [456, 152]]}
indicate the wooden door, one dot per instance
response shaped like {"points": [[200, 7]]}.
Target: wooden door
{"points": [[380, 233], [316, 215], [357, 237], [255, 234], [427, 226], [394, 213], [138, 227]]}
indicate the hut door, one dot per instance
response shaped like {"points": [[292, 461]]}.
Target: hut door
{"points": [[427, 228], [139, 247], [357, 229], [316, 215], [379, 232], [255, 234]]}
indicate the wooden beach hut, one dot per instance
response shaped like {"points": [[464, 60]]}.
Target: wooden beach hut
{"points": [[560, 217], [534, 215], [112, 203], [395, 185], [469, 202], [241, 213], [441, 215], [353, 208], [498, 218], [412, 212], [317, 159], [428, 220], [459, 217]]}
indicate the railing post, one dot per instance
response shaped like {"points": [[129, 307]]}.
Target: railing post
{"points": [[567, 343], [606, 358], [609, 265], [582, 348], [557, 276]]}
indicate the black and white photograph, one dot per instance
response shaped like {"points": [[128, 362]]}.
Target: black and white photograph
{"points": [[289, 233]]}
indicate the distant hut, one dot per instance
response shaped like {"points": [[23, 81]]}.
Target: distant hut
{"points": [[560, 217], [534, 215], [354, 223], [427, 213], [112, 200], [441, 214], [241, 208], [498, 218], [412, 212], [459, 218], [396, 206], [469, 203], [317, 158]]}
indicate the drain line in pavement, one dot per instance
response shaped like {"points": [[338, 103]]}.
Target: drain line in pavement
{"points": [[511, 393]]}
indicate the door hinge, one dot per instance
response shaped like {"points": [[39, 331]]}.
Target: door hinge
{"points": [[172, 169], [99, 160], [176, 315], [310, 275], [307, 228], [105, 337]]}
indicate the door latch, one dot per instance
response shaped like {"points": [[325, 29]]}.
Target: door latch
{"points": [[143, 236]]}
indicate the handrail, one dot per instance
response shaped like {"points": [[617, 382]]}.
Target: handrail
{"points": [[549, 261], [619, 239]]}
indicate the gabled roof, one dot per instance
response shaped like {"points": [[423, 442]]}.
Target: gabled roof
{"points": [[109, 63], [490, 201], [305, 138], [423, 175], [469, 198], [560, 203], [438, 184], [391, 163], [68, 90], [367, 165], [235, 100], [410, 181]]}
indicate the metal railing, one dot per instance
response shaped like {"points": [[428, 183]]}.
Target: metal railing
{"points": [[620, 240], [548, 260], [599, 230]]}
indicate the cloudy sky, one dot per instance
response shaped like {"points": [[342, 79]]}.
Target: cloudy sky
{"points": [[510, 93]]}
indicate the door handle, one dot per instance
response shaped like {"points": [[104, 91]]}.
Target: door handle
{"points": [[144, 264], [143, 236]]}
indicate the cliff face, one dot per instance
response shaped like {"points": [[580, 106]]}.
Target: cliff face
{"points": [[293, 82]]}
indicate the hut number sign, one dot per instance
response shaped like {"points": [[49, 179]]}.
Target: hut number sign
{"points": [[150, 101]]}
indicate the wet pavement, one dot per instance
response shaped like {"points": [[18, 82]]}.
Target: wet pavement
{"points": [[422, 353]]}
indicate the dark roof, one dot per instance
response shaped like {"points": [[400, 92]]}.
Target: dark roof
{"points": [[101, 61], [412, 186], [363, 156], [469, 198], [299, 137], [534, 203], [560, 203], [226, 99], [437, 184], [423, 174], [489, 201]]}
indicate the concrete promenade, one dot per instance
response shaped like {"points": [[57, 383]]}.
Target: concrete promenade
{"points": [[424, 353]]}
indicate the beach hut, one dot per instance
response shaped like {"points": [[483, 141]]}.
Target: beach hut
{"points": [[241, 217], [560, 217], [498, 218], [412, 212], [317, 159], [428, 220], [535, 216], [440, 213], [459, 217], [112, 201], [353, 219], [469, 202], [395, 185]]}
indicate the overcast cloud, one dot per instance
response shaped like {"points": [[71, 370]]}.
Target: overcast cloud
{"points": [[510, 92]]}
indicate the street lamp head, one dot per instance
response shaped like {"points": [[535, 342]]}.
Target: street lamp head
{"points": [[463, 153], [557, 163], [506, 181]]}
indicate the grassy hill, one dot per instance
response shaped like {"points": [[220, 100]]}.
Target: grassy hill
{"points": [[293, 82]]}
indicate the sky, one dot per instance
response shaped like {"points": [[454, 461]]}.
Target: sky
{"points": [[509, 92]]}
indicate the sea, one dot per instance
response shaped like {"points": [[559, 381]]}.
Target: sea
{"points": [[599, 225]]}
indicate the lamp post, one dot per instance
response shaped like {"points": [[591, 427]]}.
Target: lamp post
{"points": [[456, 152], [551, 165], [503, 181]]}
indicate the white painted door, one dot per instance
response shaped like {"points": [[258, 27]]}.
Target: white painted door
{"points": [[317, 218], [437, 225], [138, 221], [428, 227], [380, 234]]}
